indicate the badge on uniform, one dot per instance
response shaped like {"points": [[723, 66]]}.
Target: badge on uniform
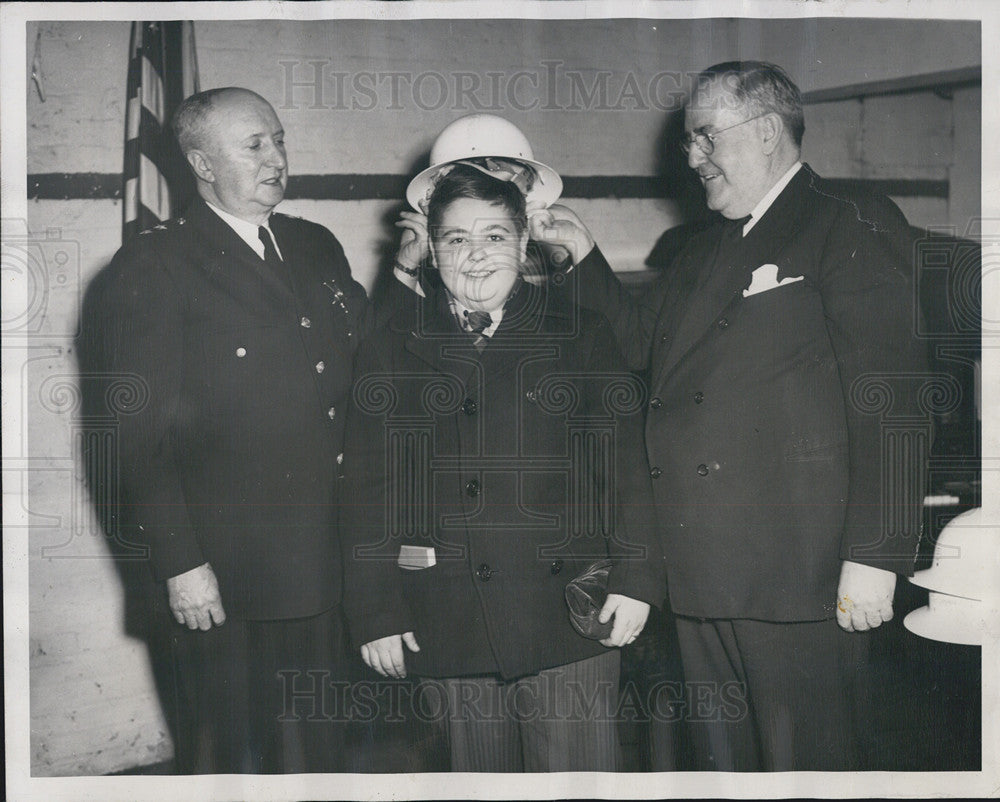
{"points": [[413, 558]]}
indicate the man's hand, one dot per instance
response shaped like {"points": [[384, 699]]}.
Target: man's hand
{"points": [[194, 598], [630, 617], [385, 655], [414, 245], [864, 596], [558, 226]]}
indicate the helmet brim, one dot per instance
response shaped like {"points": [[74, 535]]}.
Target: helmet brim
{"points": [[546, 189], [946, 627]]}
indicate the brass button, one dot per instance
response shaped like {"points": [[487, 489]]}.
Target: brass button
{"points": [[699, 397], [472, 487], [484, 572], [469, 406], [320, 366], [703, 470], [305, 323], [723, 323], [556, 567], [331, 413], [656, 403], [655, 472], [241, 352]]}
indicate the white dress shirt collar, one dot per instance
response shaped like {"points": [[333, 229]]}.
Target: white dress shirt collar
{"points": [[770, 197], [247, 231]]}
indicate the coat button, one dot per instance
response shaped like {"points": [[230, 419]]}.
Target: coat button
{"points": [[472, 487], [331, 413], [723, 323], [556, 567], [699, 397], [469, 406], [656, 403], [241, 352], [655, 472], [484, 572], [320, 366], [532, 396], [703, 470], [305, 323]]}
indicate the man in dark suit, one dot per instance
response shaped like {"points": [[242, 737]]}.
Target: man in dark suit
{"points": [[240, 325], [768, 467]]}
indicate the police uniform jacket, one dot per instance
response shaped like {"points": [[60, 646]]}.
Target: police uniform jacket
{"points": [[518, 466], [228, 448], [766, 428]]}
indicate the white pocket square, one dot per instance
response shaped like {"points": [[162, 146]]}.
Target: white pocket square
{"points": [[765, 278]]}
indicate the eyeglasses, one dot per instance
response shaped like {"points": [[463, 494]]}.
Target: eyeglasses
{"points": [[706, 141]]}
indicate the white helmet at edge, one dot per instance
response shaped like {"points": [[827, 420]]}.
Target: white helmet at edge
{"points": [[482, 136]]}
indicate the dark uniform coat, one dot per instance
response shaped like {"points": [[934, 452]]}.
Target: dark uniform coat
{"points": [[518, 466], [229, 452], [764, 424]]}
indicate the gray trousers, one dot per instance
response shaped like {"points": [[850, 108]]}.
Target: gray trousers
{"points": [[561, 719]]}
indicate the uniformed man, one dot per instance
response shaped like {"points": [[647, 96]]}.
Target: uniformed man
{"points": [[240, 324]]}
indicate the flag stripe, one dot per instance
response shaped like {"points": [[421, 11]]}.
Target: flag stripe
{"points": [[153, 190], [162, 71], [152, 90]]}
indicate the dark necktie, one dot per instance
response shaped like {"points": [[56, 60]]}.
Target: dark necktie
{"points": [[477, 323], [270, 252], [734, 228], [271, 258]]}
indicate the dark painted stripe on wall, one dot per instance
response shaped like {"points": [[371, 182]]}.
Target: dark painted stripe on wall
{"points": [[107, 186], [943, 81]]}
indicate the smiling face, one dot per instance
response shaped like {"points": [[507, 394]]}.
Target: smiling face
{"points": [[478, 249], [241, 161], [740, 170]]}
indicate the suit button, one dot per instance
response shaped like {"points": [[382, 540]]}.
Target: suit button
{"points": [[703, 470], [320, 366], [656, 403], [556, 567], [331, 413], [469, 406], [484, 572], [723, 323], [699, 397], [656, 473], [472, 487], [305, 323]]}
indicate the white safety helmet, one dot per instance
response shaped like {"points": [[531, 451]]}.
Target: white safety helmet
{"points": [[957, 581], [490, 144]]}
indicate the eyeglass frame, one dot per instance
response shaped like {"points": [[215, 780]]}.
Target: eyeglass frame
{"points": [[688, 142]]}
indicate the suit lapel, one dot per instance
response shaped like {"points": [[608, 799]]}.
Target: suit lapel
{"points": [[711, 285], [434, 338], [233, 263], [523, 314]]}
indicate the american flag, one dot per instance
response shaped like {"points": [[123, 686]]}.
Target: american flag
{"points": [[162, 71]]}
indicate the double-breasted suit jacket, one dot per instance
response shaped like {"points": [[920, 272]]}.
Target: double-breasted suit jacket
{"points": [[229, 452], [518, 466], [768, 463]]}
